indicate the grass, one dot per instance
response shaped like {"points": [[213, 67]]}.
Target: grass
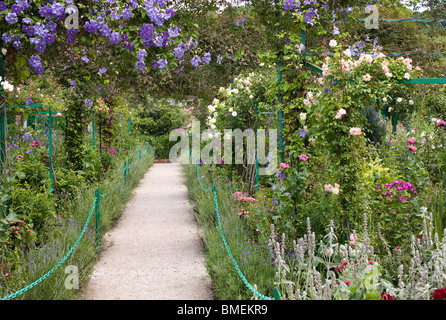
{"points": [[253, 259], [36, 262]]}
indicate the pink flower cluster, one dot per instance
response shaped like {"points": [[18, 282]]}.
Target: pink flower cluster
{"points": [[355, 131], [400, 186], [342, 266], [285, 165], [242, 197], [411, 146], [35, 143], [330, 188]]}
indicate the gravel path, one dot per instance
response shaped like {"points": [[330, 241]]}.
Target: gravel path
{"points": [[154, 252]]}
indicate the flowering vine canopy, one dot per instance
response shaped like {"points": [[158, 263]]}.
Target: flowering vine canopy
{"points": [[28, 28]]}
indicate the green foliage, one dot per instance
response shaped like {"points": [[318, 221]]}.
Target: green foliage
{"points": [[157, 123]]}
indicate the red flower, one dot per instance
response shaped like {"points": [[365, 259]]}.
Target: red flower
{"points": [[439, 294], [386, 296]]}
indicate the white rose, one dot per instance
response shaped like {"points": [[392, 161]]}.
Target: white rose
{"points": [[333, 43], [368, 58], [399, 99], [234, 113], [303, 116], [367, 77], [310, 95]]}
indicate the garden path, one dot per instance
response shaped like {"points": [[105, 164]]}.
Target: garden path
{"points": [[154, 251]]}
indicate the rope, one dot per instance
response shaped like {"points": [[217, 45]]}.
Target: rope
{"points": [[253, 290], [199, 181], [95, 202], [21, 291], [248, 285]]}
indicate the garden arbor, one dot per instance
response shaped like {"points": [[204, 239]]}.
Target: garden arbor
{"points": [[4, 130], [140, 36]]}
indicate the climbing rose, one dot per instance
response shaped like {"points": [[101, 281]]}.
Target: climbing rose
{"points": [[367, 77], [304, 157], [285, 165], [355, 131]]}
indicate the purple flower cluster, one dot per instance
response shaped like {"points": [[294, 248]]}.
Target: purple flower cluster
{"points": [[307, 8], [207, 58], [140, 64], [41, 30], [35, 62]]}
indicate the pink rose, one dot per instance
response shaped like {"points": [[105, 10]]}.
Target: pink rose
{"points": [[285, 165], [304, 157]]}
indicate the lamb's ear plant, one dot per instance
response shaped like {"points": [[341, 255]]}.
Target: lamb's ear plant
{"points": [[353, 271]]}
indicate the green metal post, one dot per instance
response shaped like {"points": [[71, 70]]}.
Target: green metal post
{"points": [[50, 142], [100, 138], [257, 158], [92, 133], [3, 127], [395, 122], [130, 131], [279, 95], [130, 124], [277, 294], [125, 172], [98, 216]]}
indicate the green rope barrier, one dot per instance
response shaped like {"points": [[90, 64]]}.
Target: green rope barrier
{"points": [[251, 288], [199, 181], [248, 285], [21, 291], [96, 204]]}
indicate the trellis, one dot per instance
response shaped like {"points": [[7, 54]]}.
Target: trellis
{"points": [[311, 66], [3, 127]]}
